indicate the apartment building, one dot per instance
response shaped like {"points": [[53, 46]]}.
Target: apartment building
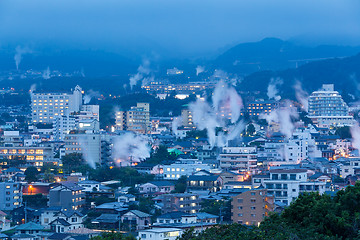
{"points": [[261, 107], [327, 108], [286, 184], [185, 168], [35, 156], [10, 195], [251, 206], [67, 195], [45, 107], [239, 158], [137, 119], [184, 202]]}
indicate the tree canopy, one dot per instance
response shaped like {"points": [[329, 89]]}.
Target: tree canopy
{"points": [[310, 216]]}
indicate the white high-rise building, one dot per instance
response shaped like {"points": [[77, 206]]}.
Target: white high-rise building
{"points": [[327, 108], [45, 107]]}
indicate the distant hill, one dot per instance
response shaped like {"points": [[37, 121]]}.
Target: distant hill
{"points": [[275, 54], [343, 72]]}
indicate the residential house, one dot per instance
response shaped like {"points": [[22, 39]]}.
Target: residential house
{"points": [[156, 187], [185, 202], [210, 183], [160, 234], [67, 195], [136, 219]]}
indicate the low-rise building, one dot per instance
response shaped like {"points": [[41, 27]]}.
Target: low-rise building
{"points": [[251, 206]]}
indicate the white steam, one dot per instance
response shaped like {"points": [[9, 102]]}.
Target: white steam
{"points": [[355, 134], [46, 73], [283, 116], [199, 69], [89, 95], [272, 89], [226, 107], [301, 95], [85, 150], [32, 88], [175, 124], [130, 148], [20, 51], [143, 72]]}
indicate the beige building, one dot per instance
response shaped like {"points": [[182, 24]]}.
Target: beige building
{"points": [[137, 119], [251, 206]]}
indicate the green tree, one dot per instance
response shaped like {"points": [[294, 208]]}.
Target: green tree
{"points": [[113, 236], [72, 161], [343, 132], [181, 184], [250, 130], [31, 174], [35, 201]]}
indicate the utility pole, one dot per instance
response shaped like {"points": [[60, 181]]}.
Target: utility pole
{"points": [[25, 212]]}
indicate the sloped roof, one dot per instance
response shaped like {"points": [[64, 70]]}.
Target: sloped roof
{"points": [[203, 178], [204, 215], [162, 183], [69, 213], [139, 213], [174, 215], [61, 221], [30, 226]]}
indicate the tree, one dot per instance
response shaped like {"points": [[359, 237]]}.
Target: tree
{"points": [[35, 201], [113, 236], [161, 154], [250, 130], [343, 132], [72, 161], [31, 174], [180, 185]]}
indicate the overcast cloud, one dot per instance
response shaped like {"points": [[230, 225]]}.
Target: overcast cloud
{"points": [[188, 26]]}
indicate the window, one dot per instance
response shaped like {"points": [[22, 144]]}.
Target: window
{"points": [[143, 235], [240, 200]]}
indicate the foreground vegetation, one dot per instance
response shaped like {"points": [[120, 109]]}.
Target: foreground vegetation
{"points": [[311, 216]]}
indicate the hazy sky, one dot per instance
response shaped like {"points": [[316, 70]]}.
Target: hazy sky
{"points": [[186, 26]]}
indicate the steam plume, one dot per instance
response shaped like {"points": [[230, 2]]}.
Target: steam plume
{"points": [[301, 95], [89, 95], [355, 134], [272, 90], [130, 148], [46, 73], [199, 69], [19, 53], [143, 71]]}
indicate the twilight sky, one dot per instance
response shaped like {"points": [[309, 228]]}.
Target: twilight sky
{"points": [[176, 27]]}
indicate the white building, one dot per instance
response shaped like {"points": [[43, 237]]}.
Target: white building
{"points": [[286, 184], [239, 158], [176, 170], [45, 107], [160, 234], [89, 144], [327, 108]]}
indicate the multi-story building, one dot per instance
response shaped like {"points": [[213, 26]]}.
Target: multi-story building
{"points": [[68, 195], [89, 144], [137, 119], [35, 156], [239, 158], [184, 202], [185, 168], [251, 206], [261, 107], [45, 107], [86, 119], [187, 118], [286, 184], [327, 108], [10, 195]]}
